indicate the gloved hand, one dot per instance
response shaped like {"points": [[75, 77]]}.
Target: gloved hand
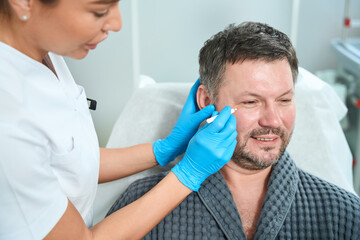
{"points": [[168, 149], [208, 151]]}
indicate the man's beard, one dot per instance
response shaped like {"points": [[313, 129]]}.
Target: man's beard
{"points": [[248, 160]]}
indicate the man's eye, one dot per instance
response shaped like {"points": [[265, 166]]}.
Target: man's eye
{"points": [[249, 102], [286, 100]]}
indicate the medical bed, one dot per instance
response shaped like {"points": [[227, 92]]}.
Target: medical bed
{"points": [[318, 143]]}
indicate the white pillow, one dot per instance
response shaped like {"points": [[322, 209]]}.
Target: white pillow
{"points": [[318, 144], [150, 114]]}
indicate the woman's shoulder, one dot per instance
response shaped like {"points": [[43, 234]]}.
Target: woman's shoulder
{"points": [[19, 127]]}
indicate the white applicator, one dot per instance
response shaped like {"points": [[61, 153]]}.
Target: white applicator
{"points": [[210, 120]]}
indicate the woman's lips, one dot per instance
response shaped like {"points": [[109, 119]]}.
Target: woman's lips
{"points": [[91, 46], [94, 45]]}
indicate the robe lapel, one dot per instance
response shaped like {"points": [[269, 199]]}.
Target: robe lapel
{"points": [[279, 197], [217, 198], [282, 186]]}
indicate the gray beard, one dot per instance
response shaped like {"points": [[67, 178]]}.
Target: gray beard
{"points": [[248, 160]]}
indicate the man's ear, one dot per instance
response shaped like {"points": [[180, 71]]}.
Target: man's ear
{"points": [[22, 8], [203, 97]]}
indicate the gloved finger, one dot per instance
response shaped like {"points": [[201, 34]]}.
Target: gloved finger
{"points": [[218, 124], [229, 127], [190, 104], [229, 140], [203, 114], [214, 113]]}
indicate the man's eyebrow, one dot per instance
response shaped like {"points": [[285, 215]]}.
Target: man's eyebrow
{"points": [[291, 90]]}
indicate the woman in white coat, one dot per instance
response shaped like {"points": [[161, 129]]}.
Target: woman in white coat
{"points": [[50, 161]]}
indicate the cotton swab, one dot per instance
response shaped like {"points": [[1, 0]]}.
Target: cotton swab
{"points": [[210, 120]]}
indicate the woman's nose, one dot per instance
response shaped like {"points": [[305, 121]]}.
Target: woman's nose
{"points": [[114, 21], [270, 117]]}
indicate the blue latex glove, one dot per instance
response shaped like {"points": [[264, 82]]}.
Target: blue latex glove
{"points": [[168, 149], [208, 151]]}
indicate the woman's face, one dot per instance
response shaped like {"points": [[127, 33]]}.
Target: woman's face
{"points": [[72, 27]]}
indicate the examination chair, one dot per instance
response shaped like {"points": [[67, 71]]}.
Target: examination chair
{"points": [[318, 144]]}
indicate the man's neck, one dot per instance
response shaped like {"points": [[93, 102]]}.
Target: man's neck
{"points": [[248, 189]]}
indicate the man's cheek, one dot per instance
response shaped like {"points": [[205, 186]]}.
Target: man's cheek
{"points": [[289, 120]]}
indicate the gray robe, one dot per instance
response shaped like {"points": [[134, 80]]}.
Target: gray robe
{"points": [[297, 206]]}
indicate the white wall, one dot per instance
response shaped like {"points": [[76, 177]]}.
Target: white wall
{"points": [[171, 33], [319, 22]]}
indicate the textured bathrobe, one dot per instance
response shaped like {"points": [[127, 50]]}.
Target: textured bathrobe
{"points": [[297, 206]]}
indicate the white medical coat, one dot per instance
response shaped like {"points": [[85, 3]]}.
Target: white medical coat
{"points": [[48, 146]]}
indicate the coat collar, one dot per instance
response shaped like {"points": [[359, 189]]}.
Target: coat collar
{"points": [[282, 186]]}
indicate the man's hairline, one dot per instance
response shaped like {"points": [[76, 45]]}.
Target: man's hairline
{"points": [[222, 77], [241, 60]]}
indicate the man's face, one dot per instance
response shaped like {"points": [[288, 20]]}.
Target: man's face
{"points": [[263, 93]]}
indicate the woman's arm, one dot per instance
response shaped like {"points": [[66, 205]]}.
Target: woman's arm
{"points": [[135, 220], [131, 222], [208, 151], [117, 163]]}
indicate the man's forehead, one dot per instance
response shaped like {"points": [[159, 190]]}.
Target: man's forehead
{"points": [[253, 76]]}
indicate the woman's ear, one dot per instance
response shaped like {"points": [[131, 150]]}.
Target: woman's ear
{"points": [[203, 97], [21, 8]]}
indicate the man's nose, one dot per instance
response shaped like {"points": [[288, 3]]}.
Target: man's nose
{"points": [[270, 117]]}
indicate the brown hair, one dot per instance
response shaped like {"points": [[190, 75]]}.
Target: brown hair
{"points": [[5, 9]]}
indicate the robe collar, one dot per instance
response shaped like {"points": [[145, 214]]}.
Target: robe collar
{"points": [[217, 198]]}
